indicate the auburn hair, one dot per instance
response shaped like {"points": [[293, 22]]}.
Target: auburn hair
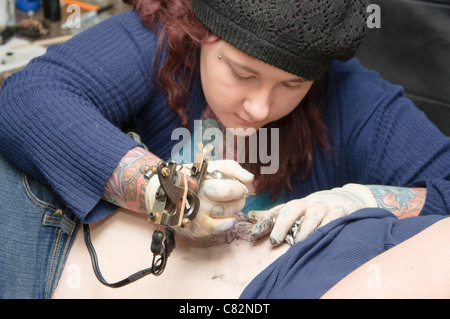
{"points": [[181, 35]]}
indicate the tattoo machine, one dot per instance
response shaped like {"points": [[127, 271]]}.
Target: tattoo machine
{"points": [[175, 204]]}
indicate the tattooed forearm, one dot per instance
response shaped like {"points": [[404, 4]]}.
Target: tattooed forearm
{"points": [[126, 186], [401, 201]]}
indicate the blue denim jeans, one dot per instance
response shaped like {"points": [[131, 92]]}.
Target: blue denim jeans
{"points": [[36, 233]]}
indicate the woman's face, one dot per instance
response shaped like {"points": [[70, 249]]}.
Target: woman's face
{"points": [[245, 92]]}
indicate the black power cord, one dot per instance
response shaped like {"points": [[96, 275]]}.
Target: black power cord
{"points": [[157, 248]]}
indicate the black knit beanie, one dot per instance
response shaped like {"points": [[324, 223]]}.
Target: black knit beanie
{"points": [[301, 37]]}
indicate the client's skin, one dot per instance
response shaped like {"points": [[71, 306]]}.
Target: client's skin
{"points": [[416, 268], [122, 242]]}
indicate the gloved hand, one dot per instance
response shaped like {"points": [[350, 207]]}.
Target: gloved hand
{"points": [[220, 201], [297, 219]]}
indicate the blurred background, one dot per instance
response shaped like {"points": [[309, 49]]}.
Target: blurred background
{"points": [[412, 48], [28, 27]]}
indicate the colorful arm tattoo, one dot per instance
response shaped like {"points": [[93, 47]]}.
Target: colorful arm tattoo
{"points": [[401, 201], [126, 186]]}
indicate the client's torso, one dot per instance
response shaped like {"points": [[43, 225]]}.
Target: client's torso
{"points": [[122, 242]]}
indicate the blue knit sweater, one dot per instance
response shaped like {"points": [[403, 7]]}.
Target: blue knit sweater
{"points": [[60, 119]]}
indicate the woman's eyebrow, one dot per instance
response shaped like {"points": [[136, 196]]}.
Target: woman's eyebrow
{"points": [[242, 66]]}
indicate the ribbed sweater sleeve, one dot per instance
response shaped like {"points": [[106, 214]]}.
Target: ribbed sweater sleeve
{"points": [[59, 116], [414, 153], [385, 139]]}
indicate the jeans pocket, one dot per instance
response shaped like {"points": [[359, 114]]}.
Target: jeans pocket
{"points": [[59, 226], [36, 233], [56, 214]]}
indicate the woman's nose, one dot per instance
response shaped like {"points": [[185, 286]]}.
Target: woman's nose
{"points": [[257, 107]]}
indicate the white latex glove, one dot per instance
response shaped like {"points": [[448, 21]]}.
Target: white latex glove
{"points": [[220, 201], [297, 219]]}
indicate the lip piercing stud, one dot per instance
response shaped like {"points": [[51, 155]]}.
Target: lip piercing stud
{"points": [[219, 57]]}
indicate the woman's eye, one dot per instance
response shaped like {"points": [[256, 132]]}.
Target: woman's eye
{"points": [[241, 76], [292, 86]]}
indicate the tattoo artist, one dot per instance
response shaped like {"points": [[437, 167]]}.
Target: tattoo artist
{"points": [[345, 132]]}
